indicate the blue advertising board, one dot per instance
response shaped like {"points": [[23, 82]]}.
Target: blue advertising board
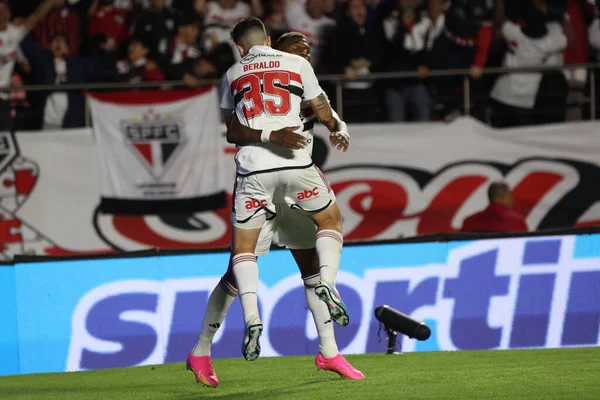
{"points": [[529, 292]]}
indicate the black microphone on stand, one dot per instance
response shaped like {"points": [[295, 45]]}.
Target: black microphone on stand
{"points": [[396, 322]]}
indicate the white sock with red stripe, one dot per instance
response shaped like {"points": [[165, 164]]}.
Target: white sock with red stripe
{"points": [[329, 248], [327, 345], [219, 302], [245, 270]]}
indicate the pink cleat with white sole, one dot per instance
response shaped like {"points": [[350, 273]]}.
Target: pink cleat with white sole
{"points": [[339, 365], [203, 369]]}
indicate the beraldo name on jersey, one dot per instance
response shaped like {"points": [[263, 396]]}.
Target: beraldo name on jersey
{"points": [[261, 65]]}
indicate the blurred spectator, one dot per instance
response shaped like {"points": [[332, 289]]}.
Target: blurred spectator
{"points": [[404, 51], [184, 49], [137, 66], [275, 19], [10, 38], [498, 216], [309, 19], [127, 7], [185, 44], [60, 20], [19, 105], [530, 43], [551, 100], [580, 15], [156, 27], [594, 34], [427, 30], [55, 66], [372, 6], [186, 7], [107, 24], [220, 17], [211, 65], [357, 52], [463, 45], [330, 6]]}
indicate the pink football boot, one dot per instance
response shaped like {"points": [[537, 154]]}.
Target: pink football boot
{"points": [[203, 369], [339, 365]]}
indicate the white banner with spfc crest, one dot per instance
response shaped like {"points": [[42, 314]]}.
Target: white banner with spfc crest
{"points": [[159, 151]]}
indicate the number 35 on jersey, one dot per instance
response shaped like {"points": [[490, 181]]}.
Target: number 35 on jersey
{"points": [[266, 92]]}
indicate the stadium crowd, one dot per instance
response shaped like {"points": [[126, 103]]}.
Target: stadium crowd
{"points": [[79, 41]]}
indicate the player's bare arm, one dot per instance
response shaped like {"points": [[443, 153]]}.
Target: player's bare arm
{"points": [[322, 109], [242, 135]]}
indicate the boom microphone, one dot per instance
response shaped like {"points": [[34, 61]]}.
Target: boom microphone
{"points": [[399, 322]]}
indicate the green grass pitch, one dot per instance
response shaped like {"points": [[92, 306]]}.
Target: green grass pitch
{"points": [[518, 374]]}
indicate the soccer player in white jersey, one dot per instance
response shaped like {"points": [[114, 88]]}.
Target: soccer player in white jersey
{"points": [[296, 232], [266, 88]]}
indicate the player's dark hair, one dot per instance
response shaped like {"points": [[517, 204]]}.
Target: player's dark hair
{"points": [[497, 190], [286, 37], [243, 29]]}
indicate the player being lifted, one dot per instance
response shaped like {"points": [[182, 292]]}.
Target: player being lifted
{"points": [[295, 230]]}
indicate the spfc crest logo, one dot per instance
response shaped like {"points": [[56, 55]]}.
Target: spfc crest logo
{"points": [[155, 142], [8, 150]]}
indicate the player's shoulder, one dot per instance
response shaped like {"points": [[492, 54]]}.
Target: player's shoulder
{"points": [[293, 57], [233, 72], [275, 54]]}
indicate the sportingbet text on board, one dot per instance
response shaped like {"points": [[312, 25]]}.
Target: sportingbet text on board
{"points": [[487, 294]]}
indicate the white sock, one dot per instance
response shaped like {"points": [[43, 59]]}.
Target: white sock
{"points": [[219, 302], [245, 270], [327, 345], [329, 248]]}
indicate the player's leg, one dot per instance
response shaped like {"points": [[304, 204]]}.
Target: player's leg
{"points": [[219, 302], [329, 357], [297, 232], [251, 205], [308, 191], [308, 263]]}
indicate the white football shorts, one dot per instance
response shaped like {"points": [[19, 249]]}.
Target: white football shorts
{"points": [[295, 230], [255, 196]]}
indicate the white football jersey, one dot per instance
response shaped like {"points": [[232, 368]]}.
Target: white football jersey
{"points": [[266, 89]]}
